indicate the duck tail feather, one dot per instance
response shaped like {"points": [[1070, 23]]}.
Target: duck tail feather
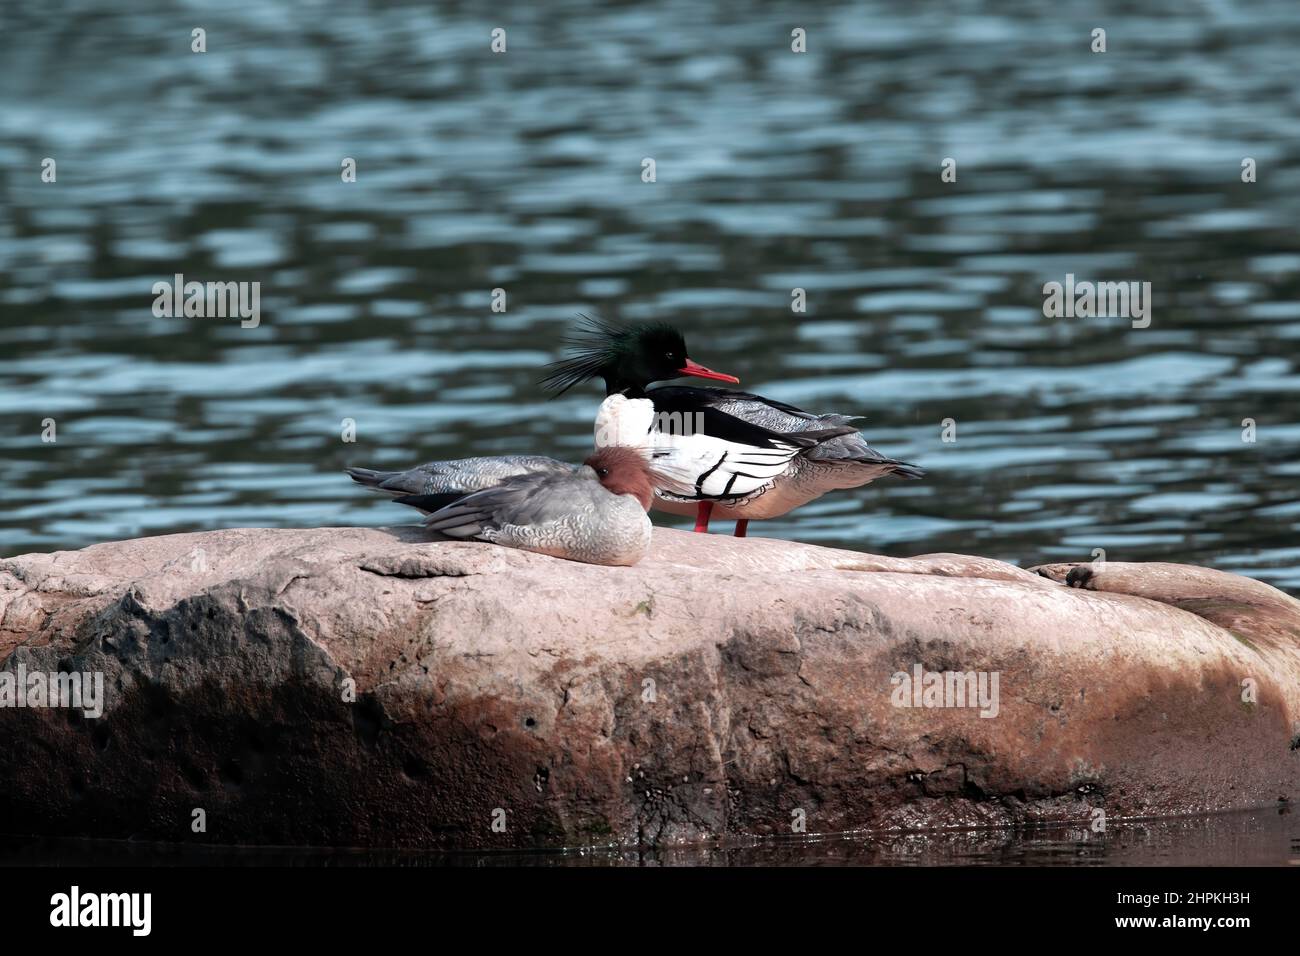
{"points": [[906, 470], [815, 436], [369, 477]]}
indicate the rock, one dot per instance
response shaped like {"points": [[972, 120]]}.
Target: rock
{"points": [[722, 687]]}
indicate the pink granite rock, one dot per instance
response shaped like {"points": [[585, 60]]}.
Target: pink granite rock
{"points": [[369, 687]]}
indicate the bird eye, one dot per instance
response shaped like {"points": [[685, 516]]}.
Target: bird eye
{"points": [[670, 356], [602, 472]]}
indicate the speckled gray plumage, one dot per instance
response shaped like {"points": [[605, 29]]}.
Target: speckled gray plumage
{"points": [[570, 515], [458, 476]]}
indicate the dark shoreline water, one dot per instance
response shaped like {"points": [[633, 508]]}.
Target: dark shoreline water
{"points": [[775, 170], [1246, 838]]}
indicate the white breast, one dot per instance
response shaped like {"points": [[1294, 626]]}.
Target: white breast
{"points": [[625, 422], [688, 463]]}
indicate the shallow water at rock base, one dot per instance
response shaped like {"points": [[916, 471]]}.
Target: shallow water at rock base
{"points": [[1246, 838]]}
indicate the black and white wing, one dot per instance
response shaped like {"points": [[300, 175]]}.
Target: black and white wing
{"points": [[848, 446], [699, 451]]}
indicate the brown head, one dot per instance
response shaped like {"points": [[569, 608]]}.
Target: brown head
{"points": [[624, 471]]}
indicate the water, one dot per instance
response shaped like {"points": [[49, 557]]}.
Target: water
{"points": [[1254, 838], [775, 170]]}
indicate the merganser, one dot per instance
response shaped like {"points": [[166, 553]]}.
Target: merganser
{"points": [[720, 452], [594, 513], [439, 483]]}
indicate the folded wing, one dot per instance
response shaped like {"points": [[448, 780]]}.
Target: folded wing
{"points": [[526, 500], [732, 460]]}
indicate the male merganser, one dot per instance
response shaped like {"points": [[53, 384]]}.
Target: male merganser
{"points": [[719, 452], [594, 513]]}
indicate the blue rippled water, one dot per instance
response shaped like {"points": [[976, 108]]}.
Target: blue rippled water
{"points": [[775, 170]]}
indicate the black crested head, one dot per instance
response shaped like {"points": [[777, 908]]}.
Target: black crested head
{"points": [[628, 358]]}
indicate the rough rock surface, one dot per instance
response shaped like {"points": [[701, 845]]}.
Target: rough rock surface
{"points": [[722, 687]]}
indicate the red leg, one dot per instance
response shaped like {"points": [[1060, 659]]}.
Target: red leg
{"points": [[741, 527], [702, 516]]}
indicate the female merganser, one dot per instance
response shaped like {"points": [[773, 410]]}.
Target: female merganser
{"points": [[732, 454], [439, 483], [594, 513]]}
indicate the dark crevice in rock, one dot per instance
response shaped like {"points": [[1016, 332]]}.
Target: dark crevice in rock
{"points": [[412, 571]]}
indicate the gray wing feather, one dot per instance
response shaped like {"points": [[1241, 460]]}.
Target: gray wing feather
{"points": [[459, 476], [848, 448], [761, 413]]}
